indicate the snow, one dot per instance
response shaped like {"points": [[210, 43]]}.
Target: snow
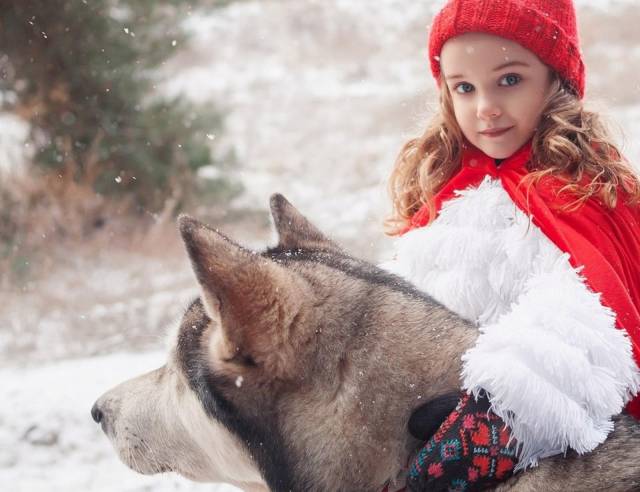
{"points": [[603, 4], [628, 125], [312, 92], [55, 445], [14, 149]]}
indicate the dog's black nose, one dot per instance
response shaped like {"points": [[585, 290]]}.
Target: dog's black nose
{"points": [[96, 413]]}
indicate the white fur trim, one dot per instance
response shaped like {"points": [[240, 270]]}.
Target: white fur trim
{"points": [[549, 355]]}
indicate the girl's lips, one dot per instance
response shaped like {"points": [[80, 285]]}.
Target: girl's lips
{"points": [[496, 134]]}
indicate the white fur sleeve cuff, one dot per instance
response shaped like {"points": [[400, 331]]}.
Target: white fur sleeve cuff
{"points": [[555, 366]]}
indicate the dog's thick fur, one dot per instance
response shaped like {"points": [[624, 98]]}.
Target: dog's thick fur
{"points": [[298, 370]]}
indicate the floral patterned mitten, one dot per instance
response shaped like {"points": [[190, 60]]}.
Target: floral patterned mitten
{"points": [[472, 450]]}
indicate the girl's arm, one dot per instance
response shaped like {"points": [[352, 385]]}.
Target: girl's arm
{"points": [[555, 366], [549, 355]]}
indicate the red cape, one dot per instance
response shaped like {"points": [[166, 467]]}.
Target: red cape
{"points": [[604, 242]]}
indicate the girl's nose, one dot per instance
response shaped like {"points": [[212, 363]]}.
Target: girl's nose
{"points": [[488, 109]]}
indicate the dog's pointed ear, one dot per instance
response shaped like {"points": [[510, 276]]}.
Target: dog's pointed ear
{"points": [[294, 229], [255, 300]]}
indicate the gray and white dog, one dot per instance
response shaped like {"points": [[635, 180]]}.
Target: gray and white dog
{"points": [[298, 369]]}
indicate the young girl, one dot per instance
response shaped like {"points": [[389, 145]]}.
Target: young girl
{"points": [[517, 211]]}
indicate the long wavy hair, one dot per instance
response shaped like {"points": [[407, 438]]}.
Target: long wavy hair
{"points": [[570, 142]]}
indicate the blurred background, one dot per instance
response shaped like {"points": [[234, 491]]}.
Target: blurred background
{"points": [[116, 115]]}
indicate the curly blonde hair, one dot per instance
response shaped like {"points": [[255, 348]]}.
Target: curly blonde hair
{"points": [[570, 142]]}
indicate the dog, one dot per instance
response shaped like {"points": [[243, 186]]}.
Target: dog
{"points": [[299, 368]]}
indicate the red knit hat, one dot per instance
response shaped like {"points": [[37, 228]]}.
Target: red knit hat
{"points": [[545, 27]]}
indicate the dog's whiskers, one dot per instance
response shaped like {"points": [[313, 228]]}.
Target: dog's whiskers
{"points": [[156, 465]]}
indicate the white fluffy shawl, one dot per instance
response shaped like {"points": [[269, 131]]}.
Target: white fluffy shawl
{"points": [[549, 354]]}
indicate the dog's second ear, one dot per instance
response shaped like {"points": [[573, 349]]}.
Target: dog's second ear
{"points": [[255, 300], [294, 229]]}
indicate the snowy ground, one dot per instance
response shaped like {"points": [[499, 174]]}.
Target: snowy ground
{"points": [[320, 95], [50, 443]]}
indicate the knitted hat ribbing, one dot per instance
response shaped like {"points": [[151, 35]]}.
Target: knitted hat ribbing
{"points": [[545, 27]]}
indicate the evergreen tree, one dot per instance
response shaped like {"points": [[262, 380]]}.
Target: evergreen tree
{"points": [[83, 73]]}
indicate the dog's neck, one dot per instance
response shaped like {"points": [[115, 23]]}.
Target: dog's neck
{"points": [[417, 357], [431, 366]]}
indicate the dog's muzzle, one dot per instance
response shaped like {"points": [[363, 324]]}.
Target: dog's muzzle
{"points": [[101, 414], [96, 413]]}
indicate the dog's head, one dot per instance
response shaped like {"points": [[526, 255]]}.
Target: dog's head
{"points": [[281, 371]]}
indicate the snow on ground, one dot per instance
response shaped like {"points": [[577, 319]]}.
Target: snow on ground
{"points": [[51, 444], [100, 302]]}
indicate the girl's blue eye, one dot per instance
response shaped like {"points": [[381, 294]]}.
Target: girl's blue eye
{"points": [[463, 84], [512, 79]]}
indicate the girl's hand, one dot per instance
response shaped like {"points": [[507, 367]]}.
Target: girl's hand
{"points": [[471, 450]]}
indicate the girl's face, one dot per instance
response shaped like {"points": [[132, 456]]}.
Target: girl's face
{"points": [[495, 84]]}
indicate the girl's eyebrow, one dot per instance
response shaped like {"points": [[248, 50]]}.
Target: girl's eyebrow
{"points": [[504, 65]]}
